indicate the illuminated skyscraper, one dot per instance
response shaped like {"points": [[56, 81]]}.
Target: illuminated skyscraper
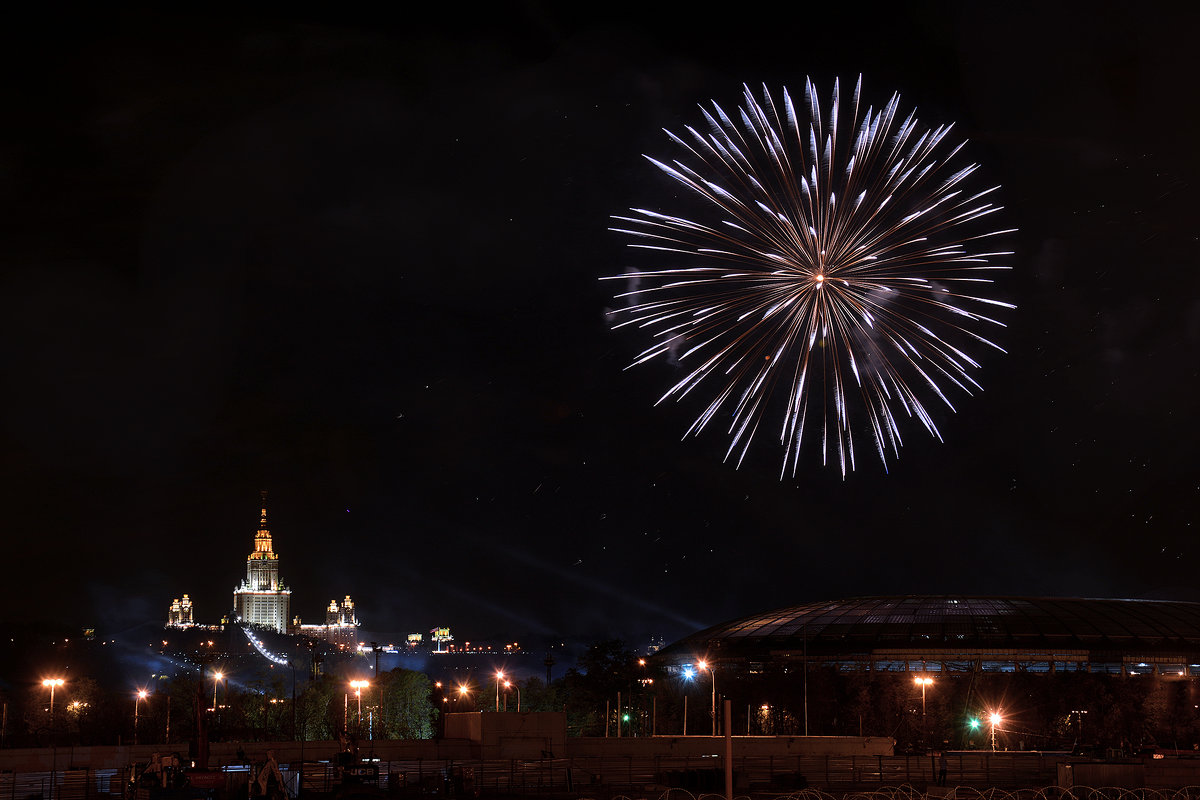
{"points": [[262, 599]]}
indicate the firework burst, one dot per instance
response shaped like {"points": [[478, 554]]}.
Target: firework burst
{"points": [[834, 276]]}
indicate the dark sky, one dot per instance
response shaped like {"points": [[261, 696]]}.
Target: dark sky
{"points": [[355, 261]]}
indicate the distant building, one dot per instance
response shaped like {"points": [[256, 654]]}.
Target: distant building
{"points": [[180, 613], [341, 615], [439, 637], [262, 599], [340, 628]]}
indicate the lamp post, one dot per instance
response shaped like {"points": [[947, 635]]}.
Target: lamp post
{"points": [[499, 677], [217, 678], [688, 675], [358, 687], [1079, 715], [137, 698], [995, 719], [923, 682], [511, 685], [51, 684], [713, 675], [463, 692]]}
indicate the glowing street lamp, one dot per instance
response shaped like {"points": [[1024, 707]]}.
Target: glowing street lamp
{"points": [[51, 684], [358, 687], [689, 675], [217, 678], [923, 682], [511, 685], [137, 698], [499, 677], [713, 713], [995, 719]]}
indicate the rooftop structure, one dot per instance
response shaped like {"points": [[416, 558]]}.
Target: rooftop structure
{"points": [[957, 634]]}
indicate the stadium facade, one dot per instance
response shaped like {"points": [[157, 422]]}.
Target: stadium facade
{"points": [[955, 634]]}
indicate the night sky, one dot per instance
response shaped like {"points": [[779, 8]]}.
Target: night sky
{"points": [[355, 261]]}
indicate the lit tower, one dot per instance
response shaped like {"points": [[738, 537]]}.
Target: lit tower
{"points": [[262, 599], [180, 613]]}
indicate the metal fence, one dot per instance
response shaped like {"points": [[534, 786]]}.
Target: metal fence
{"points": [[598, 776]]}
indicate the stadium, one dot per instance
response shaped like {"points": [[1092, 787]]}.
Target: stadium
{"points": [[951, 634]]}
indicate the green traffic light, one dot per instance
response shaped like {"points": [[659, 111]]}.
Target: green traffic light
{"points": [[625, 718], [973, 722]]}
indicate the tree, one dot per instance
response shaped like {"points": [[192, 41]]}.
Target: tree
{"points": [[591, 686], [408, 712], [320, 709]]}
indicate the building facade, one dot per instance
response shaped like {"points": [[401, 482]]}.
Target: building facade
{"points": [[340, 628], [340, 615], [180, 613], [262, 599]]}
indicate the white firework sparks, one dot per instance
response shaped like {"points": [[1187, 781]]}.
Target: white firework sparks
{"points": [[845, 262]]}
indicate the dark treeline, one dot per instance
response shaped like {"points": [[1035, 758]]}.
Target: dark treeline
{"points": [[399, 705], [611, 690]]}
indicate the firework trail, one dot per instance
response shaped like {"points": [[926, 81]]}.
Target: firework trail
{"points": [[840, 264]]}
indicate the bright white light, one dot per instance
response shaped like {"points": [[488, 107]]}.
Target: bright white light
{"points": [[267, 654]]}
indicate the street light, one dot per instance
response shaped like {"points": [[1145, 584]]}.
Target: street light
{"points": [[511, 685], [713, 712], [358, 687], [689, 676], [1079, 713], [923, 682], [217, 678], [137, 698], [995, 719], [52, 683], [499, 677]]}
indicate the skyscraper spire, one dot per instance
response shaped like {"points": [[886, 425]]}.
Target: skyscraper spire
{"points": [[262, 598]]}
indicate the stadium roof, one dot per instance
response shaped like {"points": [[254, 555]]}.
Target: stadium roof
{"points": [[943, 623]]}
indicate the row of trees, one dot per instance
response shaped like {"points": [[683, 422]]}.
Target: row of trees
{"points": [[398, 705]]}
